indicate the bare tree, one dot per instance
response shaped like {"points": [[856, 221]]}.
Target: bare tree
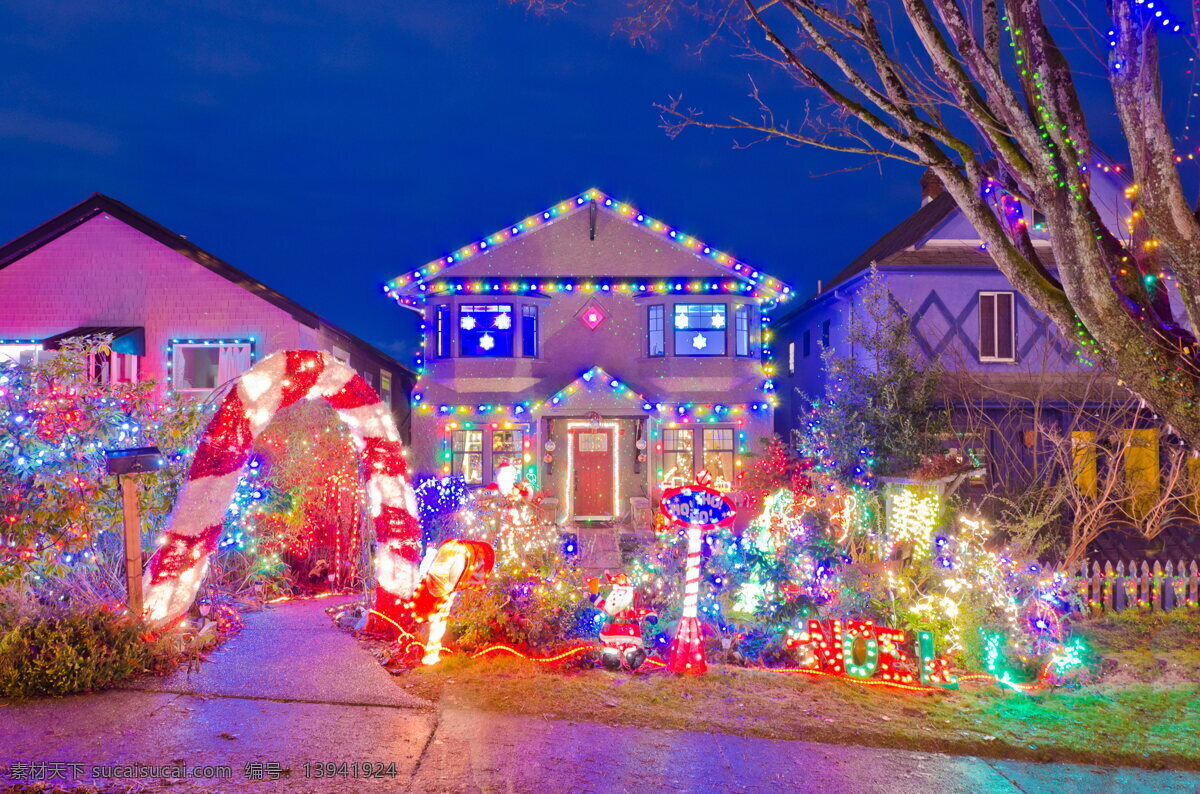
{"points": [[1070, 459], [981, 93]]}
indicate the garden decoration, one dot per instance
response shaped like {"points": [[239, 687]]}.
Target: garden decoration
{"points": [[697, 507], [624, 609], [282, 379], [456, 565]]}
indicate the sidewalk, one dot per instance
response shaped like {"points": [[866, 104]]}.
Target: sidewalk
{"points": [[291, 690]]}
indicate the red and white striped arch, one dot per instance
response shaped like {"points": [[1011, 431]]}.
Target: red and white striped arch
{"points": [[175, 571]]}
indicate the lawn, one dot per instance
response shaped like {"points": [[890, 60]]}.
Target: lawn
{"points": [[1142, 710]]}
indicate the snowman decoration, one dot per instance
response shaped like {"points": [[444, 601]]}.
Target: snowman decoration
{"points": [[624, 611]]}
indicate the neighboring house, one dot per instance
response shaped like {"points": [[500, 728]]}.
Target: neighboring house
{"points": [[604, 353], [177, 314], [997, 350]]}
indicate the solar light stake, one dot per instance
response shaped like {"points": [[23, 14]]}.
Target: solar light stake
{"points": [[124, 463]]}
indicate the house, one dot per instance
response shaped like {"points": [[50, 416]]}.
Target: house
{"points": [[604, 353], [1006, 364], [177, 314]]}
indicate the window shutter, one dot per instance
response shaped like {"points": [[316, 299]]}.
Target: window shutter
{"points": [[1004, 327], [987, 326]]}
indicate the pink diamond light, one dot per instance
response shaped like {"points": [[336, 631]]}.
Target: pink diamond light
{"points": [[593, 315]]}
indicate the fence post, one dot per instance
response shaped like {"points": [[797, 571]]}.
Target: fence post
{"points": [[1110, 583], [1192, 597], [1156, 587]]}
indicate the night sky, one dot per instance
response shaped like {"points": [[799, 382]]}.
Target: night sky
{"points": [[326, 147]]}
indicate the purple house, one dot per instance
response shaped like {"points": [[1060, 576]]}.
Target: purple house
{"points": [[604, 353], [998, 351]]}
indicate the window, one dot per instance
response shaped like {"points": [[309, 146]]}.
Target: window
{"points": [[741, 327], [700, 329], [113, 367], [385, 388], [718, 456], [658, 343], [825, 334], [203, 366], [997, 327], [507, 450], [791, 358], [466, 455], [678, 454], [1084, 462], [529, 331], [1141, 471], [807, 343], [441, 332], [340, 355], [21, 353], [486, 329]]}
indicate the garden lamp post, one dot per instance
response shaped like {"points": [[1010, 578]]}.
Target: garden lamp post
{"points": [[124, 463]]}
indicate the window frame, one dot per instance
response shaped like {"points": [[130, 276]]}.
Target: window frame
{"points": [[741, 331], [994, 296], [443, 342], [656, 313], [825, 335], [177, 345], [456, 454], [510, 332], [731, 451], [385, 387], [792, 357], [697, 437], [724, 331], [530, 312], [806, 345]]}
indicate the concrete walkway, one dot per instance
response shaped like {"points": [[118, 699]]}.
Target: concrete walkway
{"points": [[290, 691]]}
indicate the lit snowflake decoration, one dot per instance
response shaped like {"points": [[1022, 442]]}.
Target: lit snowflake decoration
{"points": [[503, 321], [486, 342], [681, 320], [467, 322], [699, 342], [718, 320]]}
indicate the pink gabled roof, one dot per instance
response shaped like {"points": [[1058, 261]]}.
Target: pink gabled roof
{"points": [[569, 206]]}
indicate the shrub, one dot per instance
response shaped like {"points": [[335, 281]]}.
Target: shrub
{"points": [[78, 652]]}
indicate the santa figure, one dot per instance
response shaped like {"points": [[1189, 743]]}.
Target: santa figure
{"points": [[625, 609]]}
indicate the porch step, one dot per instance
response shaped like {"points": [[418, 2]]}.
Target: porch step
{"points": [[600, 548]]}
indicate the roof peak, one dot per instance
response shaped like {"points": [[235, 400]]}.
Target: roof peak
{"points": [[416, 279]]}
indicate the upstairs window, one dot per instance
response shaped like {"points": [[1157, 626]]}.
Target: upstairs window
{"points": [[700, 329], [441, 332], [486, 330], [204, 365], [791, 358], [997, 327], [658, 341], [806, 343], [825, 334], [385, 388], [529, 331], [741, 326]]}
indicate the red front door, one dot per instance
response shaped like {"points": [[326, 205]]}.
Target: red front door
{"points": [[592, 452]]}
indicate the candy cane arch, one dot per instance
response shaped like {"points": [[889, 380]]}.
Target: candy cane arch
{"points": [[282, 379], [698, 508]]}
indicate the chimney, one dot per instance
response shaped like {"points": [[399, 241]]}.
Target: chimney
{"points": [[931, 186]]}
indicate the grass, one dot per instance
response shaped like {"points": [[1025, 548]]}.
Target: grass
{"points": [[1132, 715]]}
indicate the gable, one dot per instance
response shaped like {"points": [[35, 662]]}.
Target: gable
{"points": [[589, 236]]}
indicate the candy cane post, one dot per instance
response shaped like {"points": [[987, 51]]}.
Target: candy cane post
{"points": [[457, 565], [698, 508], [282, 379]]}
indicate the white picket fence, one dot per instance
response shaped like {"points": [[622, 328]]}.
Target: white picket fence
{"points": [[1139, 586]]}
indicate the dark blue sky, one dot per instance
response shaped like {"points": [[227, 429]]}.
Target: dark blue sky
{"points": [[326, 147]]}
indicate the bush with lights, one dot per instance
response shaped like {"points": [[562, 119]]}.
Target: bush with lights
{"points": [[535, 598]]}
